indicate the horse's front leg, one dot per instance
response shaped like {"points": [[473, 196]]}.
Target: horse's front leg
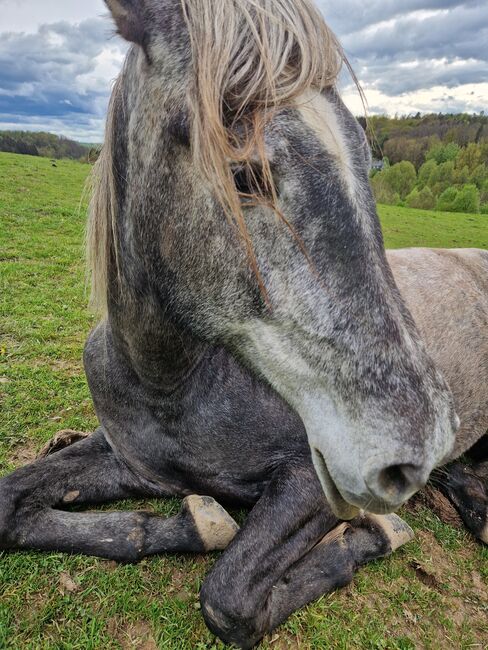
{"points": [[291, 551], [33, 502]]}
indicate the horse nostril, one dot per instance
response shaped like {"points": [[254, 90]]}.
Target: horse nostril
{"points": [[398, 482]]}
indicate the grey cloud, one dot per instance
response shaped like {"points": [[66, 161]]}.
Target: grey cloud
{"points": [[354, 15], [58, 53], [392, 80], [459, 32], [380, 51], [50, 75]]}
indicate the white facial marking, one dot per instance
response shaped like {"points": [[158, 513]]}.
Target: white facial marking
{"points": [[321, 116]]}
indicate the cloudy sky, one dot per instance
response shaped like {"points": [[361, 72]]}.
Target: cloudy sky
{"points": [[58, 59]]}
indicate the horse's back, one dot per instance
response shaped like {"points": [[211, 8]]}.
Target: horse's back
{"points": [[447, 294]]}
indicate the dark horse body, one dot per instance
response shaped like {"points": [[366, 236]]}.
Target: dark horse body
{"points": [[200, 389]]}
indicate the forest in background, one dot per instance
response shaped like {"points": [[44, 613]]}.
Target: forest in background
{"points": [[452, 179], [396, 138], [43, 144], [411, 137], [431, 162]]}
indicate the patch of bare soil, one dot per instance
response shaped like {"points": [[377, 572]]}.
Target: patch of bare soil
{"points": [[23, 454], [68, 367], [461, 598], [284, 641], [424, 576], [67, 585], [27, 453], [133, 636], [179, 578], [440, 565], [178, 588]]}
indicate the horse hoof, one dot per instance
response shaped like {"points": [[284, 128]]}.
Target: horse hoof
{"points": [[397, 531], [61, 440], [214, 525]]}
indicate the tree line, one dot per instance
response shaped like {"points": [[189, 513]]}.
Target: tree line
{"points": [[432, 162], [411, 137], [43, 144], [452, 179]]}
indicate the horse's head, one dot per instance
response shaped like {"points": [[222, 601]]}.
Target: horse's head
{"points": [[235, 197]]}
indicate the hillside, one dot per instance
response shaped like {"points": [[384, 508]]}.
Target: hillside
{"points": [[410, 137], [42, 144]]}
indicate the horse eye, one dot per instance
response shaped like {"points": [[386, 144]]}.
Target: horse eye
{"points": [[241, 180], [249, 181]]}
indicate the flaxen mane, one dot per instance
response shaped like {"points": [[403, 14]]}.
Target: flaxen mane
{"points": [[101, 234], [250, 58]]}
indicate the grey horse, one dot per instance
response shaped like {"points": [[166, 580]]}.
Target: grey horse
{"points": [[255, 346]]}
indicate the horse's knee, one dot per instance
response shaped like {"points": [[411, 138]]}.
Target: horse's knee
{"points": [[230, 618]]}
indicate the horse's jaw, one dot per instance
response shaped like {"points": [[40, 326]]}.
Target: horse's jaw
{"points": [[367, 453], [341, 508]]}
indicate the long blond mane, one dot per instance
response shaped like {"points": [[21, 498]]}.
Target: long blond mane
{"points": [[250, 59], [101, 232]]}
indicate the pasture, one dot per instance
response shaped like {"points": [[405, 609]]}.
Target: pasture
{"points": [[431, 594]]}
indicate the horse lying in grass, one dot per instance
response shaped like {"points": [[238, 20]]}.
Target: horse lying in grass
{"points": [[255, 346]]}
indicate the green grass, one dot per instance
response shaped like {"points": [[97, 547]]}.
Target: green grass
{"points": [[406, 227], [44, 322]]}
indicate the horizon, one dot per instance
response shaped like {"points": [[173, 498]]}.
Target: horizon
{"points": [[58, 62]]}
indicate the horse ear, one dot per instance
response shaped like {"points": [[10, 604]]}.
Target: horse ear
{"points": [[127, 16]]}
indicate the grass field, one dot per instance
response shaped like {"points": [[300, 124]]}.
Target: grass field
{"points": [[431, 594]]}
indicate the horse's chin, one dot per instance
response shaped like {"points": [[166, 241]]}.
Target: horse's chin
{"points": [[340, 507]]}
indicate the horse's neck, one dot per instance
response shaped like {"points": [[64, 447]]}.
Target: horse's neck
{"points": [[162, 354]]}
